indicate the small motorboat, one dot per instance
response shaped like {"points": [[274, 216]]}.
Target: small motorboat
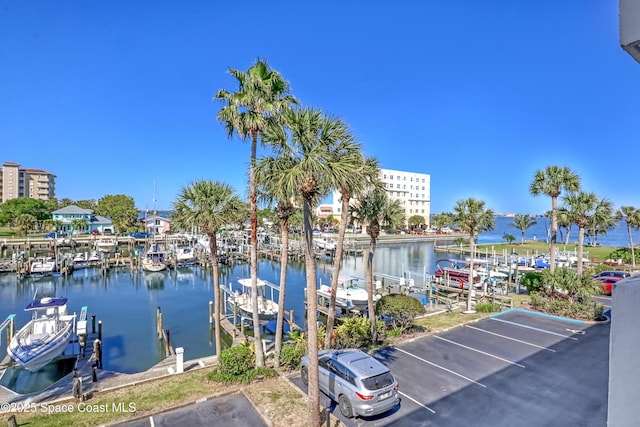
{"points": [[267, 309], [45, 336]]}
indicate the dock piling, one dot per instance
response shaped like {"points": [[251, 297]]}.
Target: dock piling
{"points": [[159, 322], [100, 330], [211, 312]]}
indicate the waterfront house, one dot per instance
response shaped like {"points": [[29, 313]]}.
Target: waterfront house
{"points": [[68, 215], [157, 224]]}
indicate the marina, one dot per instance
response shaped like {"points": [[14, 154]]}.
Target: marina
{"points": [[144, 316]]}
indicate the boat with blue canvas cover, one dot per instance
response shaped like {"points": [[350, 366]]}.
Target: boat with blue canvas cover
{"points": [[45, 336]]}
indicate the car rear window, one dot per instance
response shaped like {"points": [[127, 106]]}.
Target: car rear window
{"points": [[378, 381]]}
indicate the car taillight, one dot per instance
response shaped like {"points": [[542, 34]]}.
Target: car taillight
{"points": [[396, 387], [364, 397]]}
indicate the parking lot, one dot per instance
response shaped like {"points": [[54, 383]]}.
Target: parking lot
{"points": [[516, 368]]}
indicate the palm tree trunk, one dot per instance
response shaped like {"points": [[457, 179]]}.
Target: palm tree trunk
{"points": [[523, 236], [554, 232], [580, 248], [213, 248], [472, 255], [337, 261], [253, 217], [633, 255], [284, 257], [370, 306], [312, 317]]}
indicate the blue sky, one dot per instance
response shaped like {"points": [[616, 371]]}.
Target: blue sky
{"points": [[110, 96]]}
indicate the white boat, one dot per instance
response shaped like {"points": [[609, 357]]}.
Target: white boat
{"points": [[106, 244], [267, 308], [184, 254], [154, 259], [349, 293], [324, 243], [43, 265], [45, 337]]}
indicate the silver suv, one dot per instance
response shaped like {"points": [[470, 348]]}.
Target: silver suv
{"points": [[360, 384]]}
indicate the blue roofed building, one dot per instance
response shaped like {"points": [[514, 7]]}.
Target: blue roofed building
{"points": [[67, 216]]}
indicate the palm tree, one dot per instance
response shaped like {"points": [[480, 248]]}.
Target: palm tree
{"points": [[631, 216], [308, 167], [375, 210], [581, 207], [261, 98], [266, 170], [551, 182], [523, 222], [365, 175], [564, 221], [602, 220], [25, 223], [472, 217], [79, 225], [209, 205]]}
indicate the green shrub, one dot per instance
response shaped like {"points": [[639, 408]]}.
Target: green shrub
{"points": [[532, 280], [236, 360], [292, 353], [402, 309], [353, 332]]}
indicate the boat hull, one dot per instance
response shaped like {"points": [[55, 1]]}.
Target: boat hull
{"points": [[33, 354]]}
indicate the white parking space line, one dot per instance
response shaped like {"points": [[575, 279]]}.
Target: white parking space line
{"points": [[512, 339], [151, 423], [479, 351], [534, 329], [440, 367], [416, 402]]}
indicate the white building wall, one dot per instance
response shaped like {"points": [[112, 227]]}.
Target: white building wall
{"points": [[624, 348], [412, 189], [630, 27]]}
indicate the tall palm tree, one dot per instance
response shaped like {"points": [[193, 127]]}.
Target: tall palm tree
{"points": [[581, 207], [209, 205], [365, 176], [552, 181], [473, 217], [564, 222], [523, 222], [262, 96], [375, 210], [631, 216], [266, 174], [602, 220], [308, 168]]}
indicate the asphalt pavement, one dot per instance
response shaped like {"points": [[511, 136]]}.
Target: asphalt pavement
{"points": [[517, 368]]}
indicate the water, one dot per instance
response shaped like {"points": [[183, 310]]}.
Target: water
{"points": [[616, 236]]}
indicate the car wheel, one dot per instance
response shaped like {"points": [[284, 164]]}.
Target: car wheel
{"points": [[304, 374], [345, 406]]}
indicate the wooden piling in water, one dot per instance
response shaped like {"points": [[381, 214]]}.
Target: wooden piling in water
{"points": [[159, 322]]}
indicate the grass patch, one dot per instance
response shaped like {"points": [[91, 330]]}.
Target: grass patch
{"points": [[444, 321], [140, 400], [598, 253]]}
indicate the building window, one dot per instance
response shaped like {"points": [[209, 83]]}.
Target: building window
{"points": [[391, 177], [404, 187], [384, 176]]}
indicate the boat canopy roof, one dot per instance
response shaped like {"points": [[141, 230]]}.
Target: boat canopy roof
{"points": [[46, 302]]}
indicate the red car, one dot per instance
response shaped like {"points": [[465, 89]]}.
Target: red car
{"points": [[607, 282]]}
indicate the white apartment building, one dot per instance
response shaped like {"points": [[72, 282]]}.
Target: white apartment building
{"points": [[20, 182], [412, 189]]}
